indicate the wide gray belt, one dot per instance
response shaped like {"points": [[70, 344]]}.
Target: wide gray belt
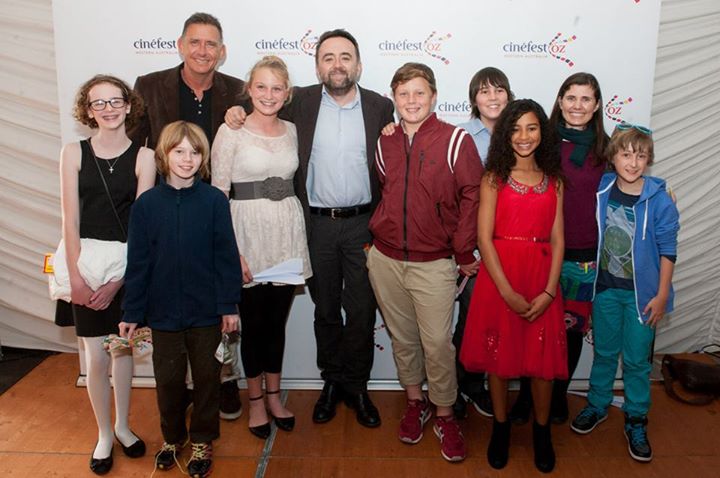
{"points": [[274, 188]]}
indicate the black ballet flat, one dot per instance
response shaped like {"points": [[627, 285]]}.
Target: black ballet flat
{"points": [[101, 466], [283, 423], [136, 450], [260, 431], [286, 424]]}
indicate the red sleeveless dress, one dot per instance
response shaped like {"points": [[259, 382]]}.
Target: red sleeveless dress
{"points": [[496, 339]]}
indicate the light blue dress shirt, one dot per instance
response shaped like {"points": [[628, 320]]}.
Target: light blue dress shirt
{"points": [[480, 135], [338, 173]]}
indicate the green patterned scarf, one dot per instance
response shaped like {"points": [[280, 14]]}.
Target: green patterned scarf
{"points": [[582, 139]]}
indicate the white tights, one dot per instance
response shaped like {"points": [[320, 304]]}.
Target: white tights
{"points": [[98, 387]]}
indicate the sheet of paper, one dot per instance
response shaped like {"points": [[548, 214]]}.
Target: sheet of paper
{"points": [[288, 272]]}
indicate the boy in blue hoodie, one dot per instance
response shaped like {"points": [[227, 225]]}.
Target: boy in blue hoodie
{"points": [[638, 227]]}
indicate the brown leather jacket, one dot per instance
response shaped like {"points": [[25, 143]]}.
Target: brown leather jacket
{"points": [[160, 90]]}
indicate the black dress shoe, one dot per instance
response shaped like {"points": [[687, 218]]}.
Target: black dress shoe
{"points": [[101, 466], [324, 410], [367, 414], [136, 450]]}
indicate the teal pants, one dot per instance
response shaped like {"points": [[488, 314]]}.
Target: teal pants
{"points": [[617, 329]]}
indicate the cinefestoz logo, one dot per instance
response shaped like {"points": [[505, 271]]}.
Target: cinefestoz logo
{"points": [[556, 48], [288, 46], [155, 46], [431, 46], [614, 108]]}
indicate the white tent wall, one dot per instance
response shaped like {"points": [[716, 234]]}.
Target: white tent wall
{"points": [[685, 118]]}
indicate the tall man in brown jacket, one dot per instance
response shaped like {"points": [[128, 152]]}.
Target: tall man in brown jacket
{"points": [[193, 91]]}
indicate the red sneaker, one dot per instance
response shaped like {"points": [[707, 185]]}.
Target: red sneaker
{"points": [[416, 416], [452, 443]]}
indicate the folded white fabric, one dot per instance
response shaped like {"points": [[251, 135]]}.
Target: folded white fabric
{"points": [[99, 262]]}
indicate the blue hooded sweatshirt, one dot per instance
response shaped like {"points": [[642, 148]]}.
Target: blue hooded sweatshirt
{"points": [[656, 230]]}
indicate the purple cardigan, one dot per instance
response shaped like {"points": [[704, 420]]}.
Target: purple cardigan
{"points": [[581, 184]]}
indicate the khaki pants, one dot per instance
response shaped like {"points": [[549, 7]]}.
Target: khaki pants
{"points": [[417, 300]]}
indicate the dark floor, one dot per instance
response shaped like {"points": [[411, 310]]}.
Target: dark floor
{"points": [[16, 363]]}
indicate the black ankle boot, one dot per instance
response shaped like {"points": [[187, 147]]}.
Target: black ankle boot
{"points": [[499, 446], [542, 445]]}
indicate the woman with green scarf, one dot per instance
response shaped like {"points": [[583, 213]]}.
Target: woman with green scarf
{"points": [[578, 120]]}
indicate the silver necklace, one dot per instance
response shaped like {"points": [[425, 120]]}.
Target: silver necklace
{"points": [[112, 166]]}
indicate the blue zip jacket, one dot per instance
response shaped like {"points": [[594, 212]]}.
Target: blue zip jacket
{"points": [[183, 266], [656, 230]]}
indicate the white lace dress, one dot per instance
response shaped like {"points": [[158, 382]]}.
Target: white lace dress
{"points": [[267, 232]]}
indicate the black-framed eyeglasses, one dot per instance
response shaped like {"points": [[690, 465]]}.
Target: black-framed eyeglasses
{"points": [[625, 126], [99, 105]]}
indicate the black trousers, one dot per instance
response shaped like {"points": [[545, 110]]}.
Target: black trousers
{"points": [[469, 383], [345, 347], [171, 353], [263, 314]]}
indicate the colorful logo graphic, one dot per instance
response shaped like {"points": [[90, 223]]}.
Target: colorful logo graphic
{"points": [[614, 108], [556, 48], [431, 46], [155, 46], [288, 47], [377, 329]]}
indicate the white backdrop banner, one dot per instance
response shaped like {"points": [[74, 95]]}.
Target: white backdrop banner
{"points": [[537, 44]]}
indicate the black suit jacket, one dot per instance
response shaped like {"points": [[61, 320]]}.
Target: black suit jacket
{"points": [[160, 90], [303, 110]]}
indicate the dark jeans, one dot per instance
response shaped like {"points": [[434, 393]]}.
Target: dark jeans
{"points": [[263, 314], [469, 383], [345, 348], [171, 353]]}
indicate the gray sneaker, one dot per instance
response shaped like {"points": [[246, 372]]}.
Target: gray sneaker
{"points": [[636, 435], [588, 418]]}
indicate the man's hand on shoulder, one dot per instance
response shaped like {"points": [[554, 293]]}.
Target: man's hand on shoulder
{"points": [[235, 117]]}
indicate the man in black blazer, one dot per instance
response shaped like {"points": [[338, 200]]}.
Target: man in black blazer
{"points": [[193, 91], [338, 124]]}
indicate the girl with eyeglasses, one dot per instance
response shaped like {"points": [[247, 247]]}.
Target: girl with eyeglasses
{"points": [[108, 106]]}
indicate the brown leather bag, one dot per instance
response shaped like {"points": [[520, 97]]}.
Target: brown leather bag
{"points": [[691, 378]]}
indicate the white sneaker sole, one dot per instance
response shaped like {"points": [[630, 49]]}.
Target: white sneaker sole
{"points": [[425, 417], [585, 432], [231, 416], [642, 459], [453, 459]]}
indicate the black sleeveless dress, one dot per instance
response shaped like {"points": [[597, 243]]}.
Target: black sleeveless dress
{"points": [[97, 221]]}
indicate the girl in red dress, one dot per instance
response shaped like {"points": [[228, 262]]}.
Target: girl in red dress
{"points": [[515, 324]]}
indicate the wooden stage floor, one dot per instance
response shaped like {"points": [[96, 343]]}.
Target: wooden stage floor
{"points": [[47, 430]]}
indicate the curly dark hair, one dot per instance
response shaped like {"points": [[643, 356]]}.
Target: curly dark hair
{"points": [[501, 158], [81, 106]]}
